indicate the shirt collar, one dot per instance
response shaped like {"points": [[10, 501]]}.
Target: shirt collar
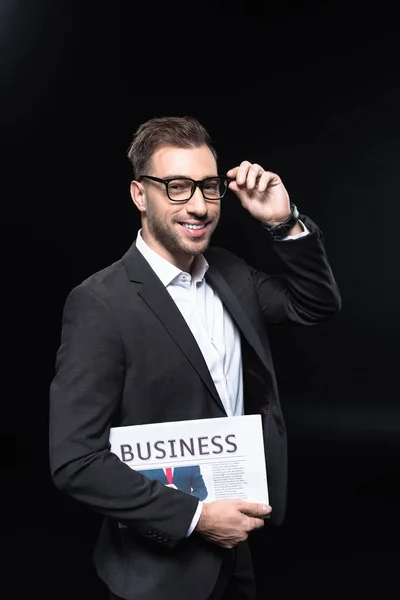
{"points": [[165, 270]]}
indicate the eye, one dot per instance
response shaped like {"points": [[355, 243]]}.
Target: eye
{"points": [[212, 186]]}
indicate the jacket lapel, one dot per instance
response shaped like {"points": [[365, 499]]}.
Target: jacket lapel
{"points": [[154, 294], [230, 300]]}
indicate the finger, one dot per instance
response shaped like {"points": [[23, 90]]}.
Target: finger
{"points": [[254, 173], [253, 509], [256, 523], [233, 186], [232, 172], [268, 179], [264, 181], [241, 175]]}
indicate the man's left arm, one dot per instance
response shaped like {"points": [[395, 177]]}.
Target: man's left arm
{"points": [[305, 291]]}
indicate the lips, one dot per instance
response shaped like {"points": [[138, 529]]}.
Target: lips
{"points": [[194, 232]]}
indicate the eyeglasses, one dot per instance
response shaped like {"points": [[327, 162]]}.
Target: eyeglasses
{"points": [[181, 189]]}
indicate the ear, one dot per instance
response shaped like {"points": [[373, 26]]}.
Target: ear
{"points": [[138, 195]]}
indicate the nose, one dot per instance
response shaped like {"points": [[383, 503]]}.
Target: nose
{"points": [[197, 204]]}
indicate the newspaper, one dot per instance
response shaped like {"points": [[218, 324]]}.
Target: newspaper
{"points": [[208, 458]]}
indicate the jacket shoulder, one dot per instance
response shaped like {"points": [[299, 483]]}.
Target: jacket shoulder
{"points": [[104, 277], [103, 283]]}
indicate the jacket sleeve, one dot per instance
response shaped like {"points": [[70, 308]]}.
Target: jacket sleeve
{"points": [[84, 394], [305, 291]]}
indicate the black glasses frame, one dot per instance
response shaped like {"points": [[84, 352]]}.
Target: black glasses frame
{"points": [[196, 183]]}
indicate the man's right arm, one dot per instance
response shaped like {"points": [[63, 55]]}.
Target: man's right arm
{"points": [[86, 391]]}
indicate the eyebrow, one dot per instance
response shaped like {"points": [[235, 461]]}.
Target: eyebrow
{"points": [[187, 176]]}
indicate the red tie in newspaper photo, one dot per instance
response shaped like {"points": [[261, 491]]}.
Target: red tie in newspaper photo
{"points": [[168, 474]]}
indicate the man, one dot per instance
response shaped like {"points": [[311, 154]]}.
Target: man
{"points": [[176, 330], [186, 479]]}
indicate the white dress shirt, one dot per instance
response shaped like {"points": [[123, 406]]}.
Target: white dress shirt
{"points": [[213, 328], [211, 325]]}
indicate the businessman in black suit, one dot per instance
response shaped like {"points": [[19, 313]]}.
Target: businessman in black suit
{"points": [[187, 479], [177, 330]]}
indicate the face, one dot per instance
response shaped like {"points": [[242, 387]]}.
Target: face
{"points": [[165, 223]]}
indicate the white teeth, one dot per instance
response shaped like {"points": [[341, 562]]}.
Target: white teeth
{"points": [[193, 226]]}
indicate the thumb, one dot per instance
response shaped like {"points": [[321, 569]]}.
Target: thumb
{"points": [[253, 509], [233, 186]]}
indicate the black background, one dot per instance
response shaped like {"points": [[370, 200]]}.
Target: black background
{"points": [[310, 91]]}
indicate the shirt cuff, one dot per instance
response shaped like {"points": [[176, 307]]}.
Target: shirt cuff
{"points": [[195, 519], [298, 235]]}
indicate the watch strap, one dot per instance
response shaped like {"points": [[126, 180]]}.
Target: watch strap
{"points": [[278, 232]]}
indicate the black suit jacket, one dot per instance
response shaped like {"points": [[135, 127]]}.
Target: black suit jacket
{"points": [[127, 357]]}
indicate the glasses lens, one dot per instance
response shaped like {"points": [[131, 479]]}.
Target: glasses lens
{"points": [[214, 187], [180, 189]]}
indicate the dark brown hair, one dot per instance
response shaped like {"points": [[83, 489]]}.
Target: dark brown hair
{"points": [[181, 132]]}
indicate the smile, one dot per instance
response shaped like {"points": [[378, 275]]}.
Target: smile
{"points": [[189, 226], [194, 230]]}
